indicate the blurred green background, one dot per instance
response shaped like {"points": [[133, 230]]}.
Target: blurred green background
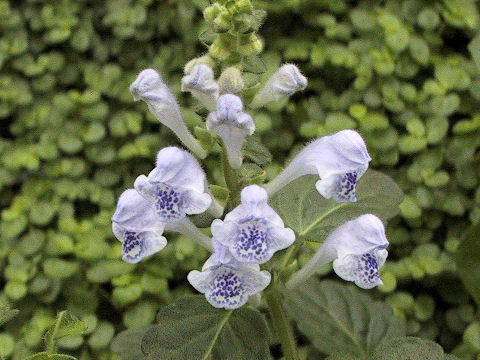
{"points": [[405, 73]]}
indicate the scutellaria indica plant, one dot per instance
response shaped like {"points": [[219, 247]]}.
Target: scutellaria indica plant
{"points": [[253, 248]]}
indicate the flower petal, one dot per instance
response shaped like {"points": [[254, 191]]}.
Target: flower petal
{"points": [[362, 269], [195, 202], [256, 281], [281, 237], [135, 212], [200, 280]]}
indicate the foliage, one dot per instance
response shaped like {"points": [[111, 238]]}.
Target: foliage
{"points": [[72, 139]]}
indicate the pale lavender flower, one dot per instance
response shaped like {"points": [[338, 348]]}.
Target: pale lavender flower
{"points": [[202, 85]]}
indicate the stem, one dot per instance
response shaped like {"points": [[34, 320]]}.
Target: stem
{"points": [[319, 259], [231, 179], [186, 227], [281, 324]]}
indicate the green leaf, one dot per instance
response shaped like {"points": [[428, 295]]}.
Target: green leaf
{"points": [[312, 216], [128, 344], [7, 314], [467, 258], [193, 329], [474, 48], [410, 348], [338, 318], [65, 325], [47, 356], [254, 150]]}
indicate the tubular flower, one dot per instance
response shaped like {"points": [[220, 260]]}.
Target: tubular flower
{"points": [[176, 187], [229, 286], [285, 82], [150, 88], [136, 225], [201, 83], [232, 125], [339, 159], [357, 249], [253, 231]]}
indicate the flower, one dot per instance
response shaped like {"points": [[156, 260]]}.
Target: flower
{"points": [[357, 249], [136, 225], [150, 88], [339, 159], [201, 83], [252, 231], [229, 285], [176, 186], [286, 81], [232, 125]]}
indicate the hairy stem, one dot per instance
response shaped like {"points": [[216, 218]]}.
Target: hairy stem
{"points": [[281, 323], [232, 181]]}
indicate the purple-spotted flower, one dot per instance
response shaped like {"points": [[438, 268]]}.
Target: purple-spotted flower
{"points": [[230, 285], [136, 225], [232, 125], [176, 187], [201, 84], [253, 231], [150, 88], [286, 81], [339, 160], [357, 249]]}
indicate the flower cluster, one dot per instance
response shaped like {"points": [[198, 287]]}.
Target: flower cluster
{"points": [[252, 232]]}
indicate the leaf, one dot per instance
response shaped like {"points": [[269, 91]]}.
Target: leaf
{"points": [[253, 64], [474, 48], [7, 314], [467, 258], [47, 356], [410, 348], [341, 318], [128, 344], [193, 329], [254, 150], [66, 324], [312, 216]]}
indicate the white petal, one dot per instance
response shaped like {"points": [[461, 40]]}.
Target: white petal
{"points": [[138, 245], [228, 288], [361, 269], [145, 188], [201, 84], [195, 202], [341, 188], [256, 281], [135, 212], [200, 280], [223, 231], [281, 237]]}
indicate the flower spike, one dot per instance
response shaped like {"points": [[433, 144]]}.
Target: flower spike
{"points": [[176, 187], [201, 83], [285, 82], [357, 249], [150, 88], [136, 225], [229, 286], [339, 159], [252, 232], [232, 125]]}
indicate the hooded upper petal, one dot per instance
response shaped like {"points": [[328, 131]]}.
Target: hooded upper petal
{"points": [[201, 83]]}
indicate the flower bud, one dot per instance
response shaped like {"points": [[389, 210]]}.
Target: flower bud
{"points": [[202, 85], [286, 81], [232, 125], [231, 81]]}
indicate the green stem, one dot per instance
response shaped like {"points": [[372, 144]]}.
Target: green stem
{"points": [[281, 324], [231, 179]]}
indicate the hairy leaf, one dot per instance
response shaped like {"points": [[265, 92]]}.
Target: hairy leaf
{"points": [[47, 356], [193, 329], [254, 150], [468, 258], [312, 216], [410, 348], [7, 314], [338, 318], [66, 324], [128, 344]]}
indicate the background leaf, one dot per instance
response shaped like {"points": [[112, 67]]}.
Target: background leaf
{"points": [[65, 325], [308, 213], [341, 318], [468, 260], [193, 329], [254, 150], [410, 348], [46, 356], [7, 314]]}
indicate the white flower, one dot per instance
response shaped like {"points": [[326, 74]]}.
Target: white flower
{"points": [[150, 88], [339, 159], [252, 231], [232, 125], [136, 225], [357, 249], [286, 81], [176, 187], [230, 285], [201, 83]]}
